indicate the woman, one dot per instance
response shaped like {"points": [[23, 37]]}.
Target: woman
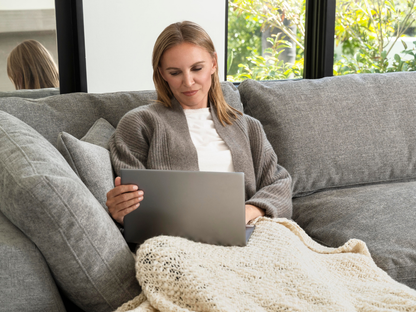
{"points": [[30, 66], [191, 127]]}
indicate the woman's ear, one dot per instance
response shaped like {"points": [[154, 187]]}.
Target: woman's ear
{"points": [[214, 63]]}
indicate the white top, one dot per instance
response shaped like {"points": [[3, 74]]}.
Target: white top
{"points": [[213, 153]]}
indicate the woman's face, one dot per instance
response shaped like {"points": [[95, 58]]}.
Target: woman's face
{"points": [[187, 69]]}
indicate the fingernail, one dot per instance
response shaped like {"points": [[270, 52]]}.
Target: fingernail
{"points": [[135, 187]]}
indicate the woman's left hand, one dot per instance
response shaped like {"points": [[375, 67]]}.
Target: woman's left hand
{"points": [[253, 212]]}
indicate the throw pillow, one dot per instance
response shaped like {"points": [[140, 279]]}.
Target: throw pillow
{"points": [[42, 196], [91, 159], [100, 133]]}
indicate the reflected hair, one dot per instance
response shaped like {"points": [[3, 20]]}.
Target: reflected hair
{"points": [[190, 32], [30, 66]]}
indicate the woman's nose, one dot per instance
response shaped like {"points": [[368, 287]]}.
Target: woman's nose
{"points": [[188, 79]]}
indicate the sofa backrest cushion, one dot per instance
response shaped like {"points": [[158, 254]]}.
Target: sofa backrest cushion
{"points": [[339, 131], [30, 93], [75, 113], [42, 196]]}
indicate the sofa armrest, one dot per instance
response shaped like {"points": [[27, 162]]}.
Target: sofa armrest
{"points": [[26, 283]]}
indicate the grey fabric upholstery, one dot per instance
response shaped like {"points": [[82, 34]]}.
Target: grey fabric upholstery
{"points": [[91, 161], [76, 113], [30, 93], [25, 279], [100, 133], [44, 198], [381, 215], [339, 131]]}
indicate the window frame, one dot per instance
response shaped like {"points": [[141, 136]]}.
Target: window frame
{"points": [[71, 46], [319, 38]]}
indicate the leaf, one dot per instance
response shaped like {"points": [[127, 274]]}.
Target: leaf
{"points": [[404, 44], [397, 58]]}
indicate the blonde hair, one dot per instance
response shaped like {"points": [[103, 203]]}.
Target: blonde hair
{"points": [[190, 32], [30, 66]]}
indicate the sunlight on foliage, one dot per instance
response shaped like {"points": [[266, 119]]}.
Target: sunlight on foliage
{"points": [[366, 29]]}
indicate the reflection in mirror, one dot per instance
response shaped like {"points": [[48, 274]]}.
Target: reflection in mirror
{"points": [[20, 21]]}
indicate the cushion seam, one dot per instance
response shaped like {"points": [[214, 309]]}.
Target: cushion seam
{"points": [[310, 192]]}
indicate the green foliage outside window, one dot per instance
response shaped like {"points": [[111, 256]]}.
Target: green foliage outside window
{"points": [[365, 29]]}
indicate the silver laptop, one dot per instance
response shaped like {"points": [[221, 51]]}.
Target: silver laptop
{"points": [[206, 207]]}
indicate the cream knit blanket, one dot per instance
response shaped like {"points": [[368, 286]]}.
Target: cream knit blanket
{"points": [[281, 269]]}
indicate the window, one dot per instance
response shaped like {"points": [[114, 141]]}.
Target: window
{"points": [[375, 36], [267, 38]]}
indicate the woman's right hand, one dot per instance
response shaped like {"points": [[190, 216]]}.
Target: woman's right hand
{"points": [[122, 200]]}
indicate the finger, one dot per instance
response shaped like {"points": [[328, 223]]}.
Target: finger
{"points": [[129, 204], [117, 181], [115, 203], [118, 190], [120, 216], [124, 201]]}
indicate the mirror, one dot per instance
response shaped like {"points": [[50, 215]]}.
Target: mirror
{"points": [[22, 20]]}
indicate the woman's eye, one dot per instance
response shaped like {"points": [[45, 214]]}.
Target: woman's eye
{"points": [[198, 68], [173, 73]]}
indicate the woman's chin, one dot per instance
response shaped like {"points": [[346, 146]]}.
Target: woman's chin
{"points": [[195, 104]]}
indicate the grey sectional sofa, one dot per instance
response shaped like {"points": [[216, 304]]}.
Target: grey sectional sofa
{"points": [[349, 143]]}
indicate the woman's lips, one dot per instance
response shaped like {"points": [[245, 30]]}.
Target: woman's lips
{"points": [[190, 93]]}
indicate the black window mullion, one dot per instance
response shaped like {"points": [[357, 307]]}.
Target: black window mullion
{"points": [[319, 38], [71, 46]]}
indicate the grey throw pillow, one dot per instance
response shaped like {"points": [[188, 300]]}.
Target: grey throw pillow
{"points": [[43, 197], [91, 163], [91, 160], [100, 133]]}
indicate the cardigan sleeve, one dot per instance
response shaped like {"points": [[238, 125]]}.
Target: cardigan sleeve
{"points": [[129, 145], [273, 182]]}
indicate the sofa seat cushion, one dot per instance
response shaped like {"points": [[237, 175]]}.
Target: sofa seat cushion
{"points": [[382, 215], [26, 284], [339, 131], [42, 196]]}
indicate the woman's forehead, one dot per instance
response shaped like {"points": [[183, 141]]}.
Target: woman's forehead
{"points": [[184, 53]]}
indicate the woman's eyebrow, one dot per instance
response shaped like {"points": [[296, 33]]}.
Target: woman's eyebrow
{"points": [[197, 63]]}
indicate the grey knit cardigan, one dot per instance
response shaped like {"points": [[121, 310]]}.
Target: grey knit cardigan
{"points": [[157, 137]]}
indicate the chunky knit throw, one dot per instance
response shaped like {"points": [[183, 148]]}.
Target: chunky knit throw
{"points": [[281, 269]]}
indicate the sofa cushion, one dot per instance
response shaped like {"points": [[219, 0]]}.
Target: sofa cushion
{"points": [[45, 199], [339, 131], [26, 284], [75, 113], [30, 93], [100, 133], [91, 161], [381, 215]]}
